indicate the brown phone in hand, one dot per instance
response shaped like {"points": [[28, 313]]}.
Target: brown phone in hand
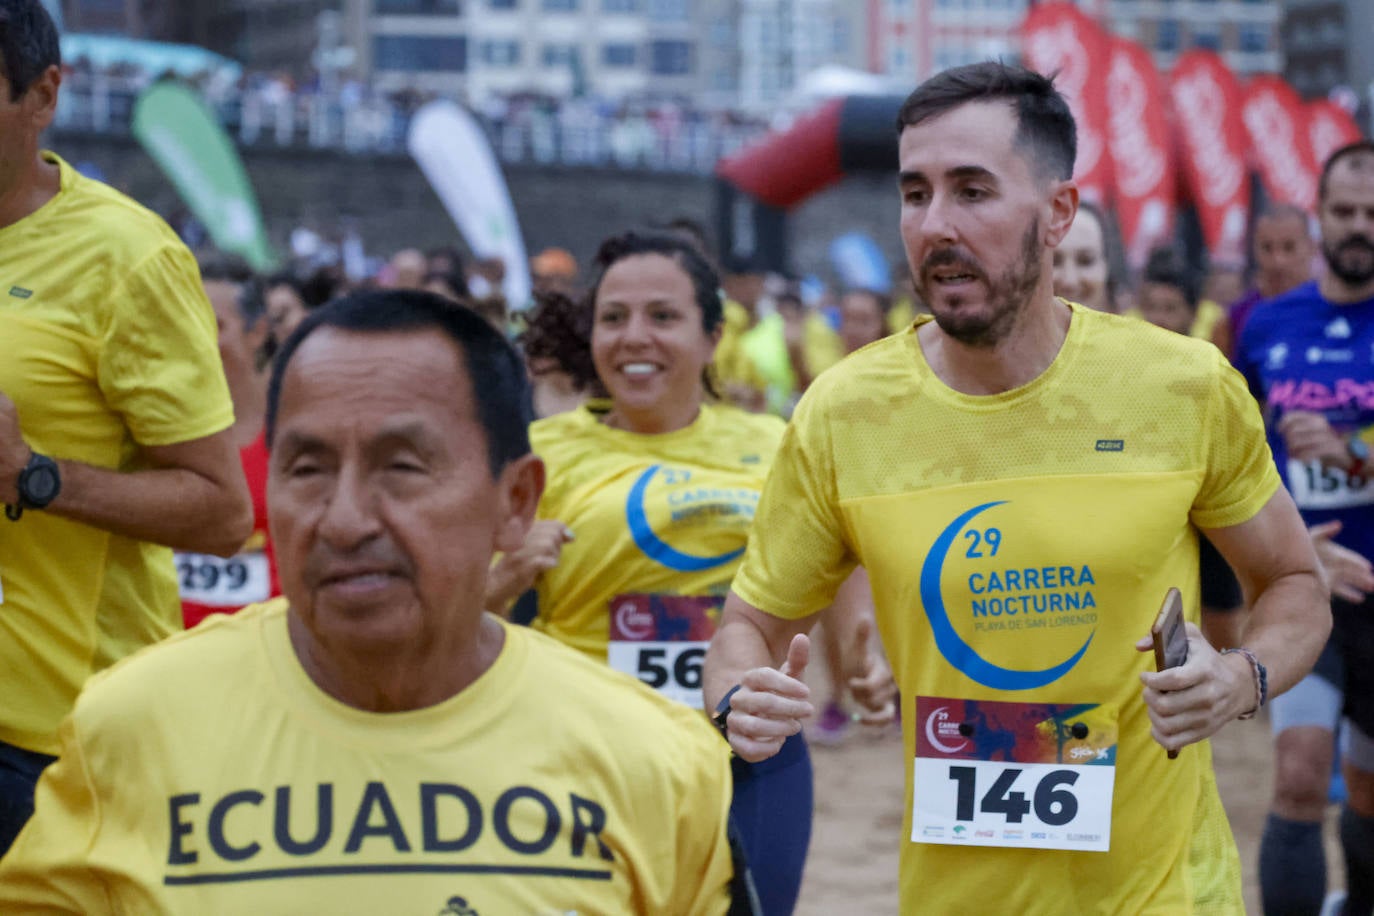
{"points": [[1170, 636]]}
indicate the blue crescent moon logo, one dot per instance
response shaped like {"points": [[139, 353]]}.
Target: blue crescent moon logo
{"points": [[952, 646], [652, 545]]}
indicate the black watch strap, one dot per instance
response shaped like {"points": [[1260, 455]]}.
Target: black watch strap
{"points": [[720, 719]]}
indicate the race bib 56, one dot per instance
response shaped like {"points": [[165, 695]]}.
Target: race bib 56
{"points": [[662, 639]]}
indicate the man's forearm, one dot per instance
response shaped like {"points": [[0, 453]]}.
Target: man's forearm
{"points": [[175, 507], [1289, 625], [737, 647]]}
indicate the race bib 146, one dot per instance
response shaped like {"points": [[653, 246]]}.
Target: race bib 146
{"points": [[1023, 775]]}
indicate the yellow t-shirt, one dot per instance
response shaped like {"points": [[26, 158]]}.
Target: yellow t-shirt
{"points": [[736, 369], [210, 775], [1018, 545], [109, 344], [660, 524]]}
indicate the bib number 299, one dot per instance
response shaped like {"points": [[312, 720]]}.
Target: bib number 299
{"points": [[1053, 803]]}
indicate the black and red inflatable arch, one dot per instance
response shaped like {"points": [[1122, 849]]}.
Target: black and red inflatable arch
{"points": [[758, 185]]}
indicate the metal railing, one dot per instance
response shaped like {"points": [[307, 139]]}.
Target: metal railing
{"points": [[359, 122]]}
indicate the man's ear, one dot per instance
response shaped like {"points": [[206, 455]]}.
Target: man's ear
{"points": [[1063, 208], [41, 97], [522, 484]]}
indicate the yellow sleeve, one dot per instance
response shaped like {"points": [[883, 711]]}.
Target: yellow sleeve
{"points": [[798, 555], [159, 359], [47, 870], [1240, 476], [704, 865], [822, 345]]}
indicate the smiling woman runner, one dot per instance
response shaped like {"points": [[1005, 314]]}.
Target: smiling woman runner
{"points": [[658, 487]]}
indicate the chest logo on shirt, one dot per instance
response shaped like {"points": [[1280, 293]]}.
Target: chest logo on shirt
{"points": [[660, 551], [954, 648]]}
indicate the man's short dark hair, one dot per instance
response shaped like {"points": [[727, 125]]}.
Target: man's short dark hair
{"points": [[1365, 147], [496, 371], [28, 43], [1044, 123]]}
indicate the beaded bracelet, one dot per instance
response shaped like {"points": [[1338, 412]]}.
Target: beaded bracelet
{"points": [[1261, 680]]}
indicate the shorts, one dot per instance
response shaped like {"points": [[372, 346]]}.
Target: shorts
{"points": [[1220, 587], [1352, 634]]}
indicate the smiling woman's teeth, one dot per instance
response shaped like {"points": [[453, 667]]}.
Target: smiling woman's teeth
{"points": [[639, 369]]}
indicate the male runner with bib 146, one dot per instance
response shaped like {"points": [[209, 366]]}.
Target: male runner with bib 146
{"points": [[1023, 479]]}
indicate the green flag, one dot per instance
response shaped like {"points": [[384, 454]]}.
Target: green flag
{"points": [[192, 149]]}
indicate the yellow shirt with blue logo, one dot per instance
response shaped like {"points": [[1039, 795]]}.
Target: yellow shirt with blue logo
{"points": [[660, 523], [109, 345], [1018, 545], [211, 775]]}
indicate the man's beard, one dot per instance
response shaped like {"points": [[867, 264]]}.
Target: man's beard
{"points": [[1006, 297], [1352, 271]]}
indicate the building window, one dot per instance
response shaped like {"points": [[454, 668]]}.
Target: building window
{"points": [[417, 7], [559, 55], [1255, 38], [620, 6], [668, 10], [1206, 37], [560, 6], [1166, 35], [670, 58], [618, 55], [722, 33], [500, 52], [414, 53], [502, 4]]}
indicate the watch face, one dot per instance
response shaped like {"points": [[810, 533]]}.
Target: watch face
{"points": [[41, 485]]}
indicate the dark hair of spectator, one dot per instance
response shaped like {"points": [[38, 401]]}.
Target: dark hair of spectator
{"points": [[453, 279], [28, 44], [320, 286], [230, 268], [1044, 124], [1166, 268], [1350, 149], [494, 368], [882, 300], [560, 329]]}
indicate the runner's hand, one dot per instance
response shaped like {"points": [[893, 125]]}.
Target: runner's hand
{"points": [[869, 677], [770, 705], [1193, 701], [515, 572], [1309, 437], [14, 452], [1349, 575]]}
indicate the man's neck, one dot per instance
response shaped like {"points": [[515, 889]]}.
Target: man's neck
{"points": [[34, 187], [1335, 290], [1016, 360], [402, 681]]}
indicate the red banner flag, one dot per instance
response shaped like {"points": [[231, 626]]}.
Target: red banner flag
{"points": [[1276, 123], [1329, 127], [1141, 148], [1206, 103], [1058, 38]]}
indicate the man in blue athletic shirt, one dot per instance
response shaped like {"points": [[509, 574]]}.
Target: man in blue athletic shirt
{"points": [[1309, 357]]}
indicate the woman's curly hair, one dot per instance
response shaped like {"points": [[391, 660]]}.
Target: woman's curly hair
{"points": [[560, 329]]}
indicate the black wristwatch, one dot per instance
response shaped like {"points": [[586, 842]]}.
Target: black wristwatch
{"points": [[720, 719], [39, 484]]}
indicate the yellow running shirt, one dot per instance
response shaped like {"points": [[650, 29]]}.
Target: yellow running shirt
{"points": [[109, 343], [1018, 545], [660, 524], [210, 775]]}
